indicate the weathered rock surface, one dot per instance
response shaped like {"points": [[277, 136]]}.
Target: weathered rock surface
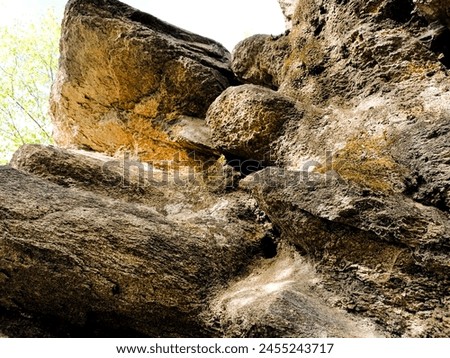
{"points": [[284, 297], [127, 79], [369, 199], [260, 59], [374, 91], [347, 235], [388, 254], [78, 249], [94, 247], [245, 119], [435, 10]]}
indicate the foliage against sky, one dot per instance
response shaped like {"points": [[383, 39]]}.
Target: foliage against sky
{"points": [[28, 63]]}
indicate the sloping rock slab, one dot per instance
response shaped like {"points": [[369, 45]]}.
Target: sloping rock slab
{"points": [[113, 265]]}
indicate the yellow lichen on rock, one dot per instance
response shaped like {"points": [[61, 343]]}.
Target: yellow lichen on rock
{"points": [[366, 161]]}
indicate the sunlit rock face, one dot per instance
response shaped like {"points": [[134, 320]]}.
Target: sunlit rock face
{"points": [[126, 81]]}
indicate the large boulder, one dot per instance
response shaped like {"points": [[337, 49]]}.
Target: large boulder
{"points": [[244, 120], [260, 59], [92, 249], [94, 246], [127, 81], [387, 256]]}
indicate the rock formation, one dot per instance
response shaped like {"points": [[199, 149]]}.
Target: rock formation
{"points": [[435, 10], [130, 82], [339, 226], [93, 246], [137, 257], [244, 120], [387, 254]]}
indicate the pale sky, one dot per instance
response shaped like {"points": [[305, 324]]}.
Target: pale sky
{"points": [[226, 21]]}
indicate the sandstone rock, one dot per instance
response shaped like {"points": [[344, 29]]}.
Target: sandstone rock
{"points": [[366, 75], [369, 199], [284, 297], [245, 119], [348, 236], [98, 256], [91, 247], [259, 60], [389, 255], [435, 10], [126, 79]]}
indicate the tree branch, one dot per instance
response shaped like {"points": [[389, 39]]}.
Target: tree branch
{"points": [[31, 117]]}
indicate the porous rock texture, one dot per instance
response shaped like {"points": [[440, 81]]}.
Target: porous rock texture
{"points": [[249, 117], [362, 184], [345, 234], [388, 255], [260, 58], [374, 92], [127, 79]]}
